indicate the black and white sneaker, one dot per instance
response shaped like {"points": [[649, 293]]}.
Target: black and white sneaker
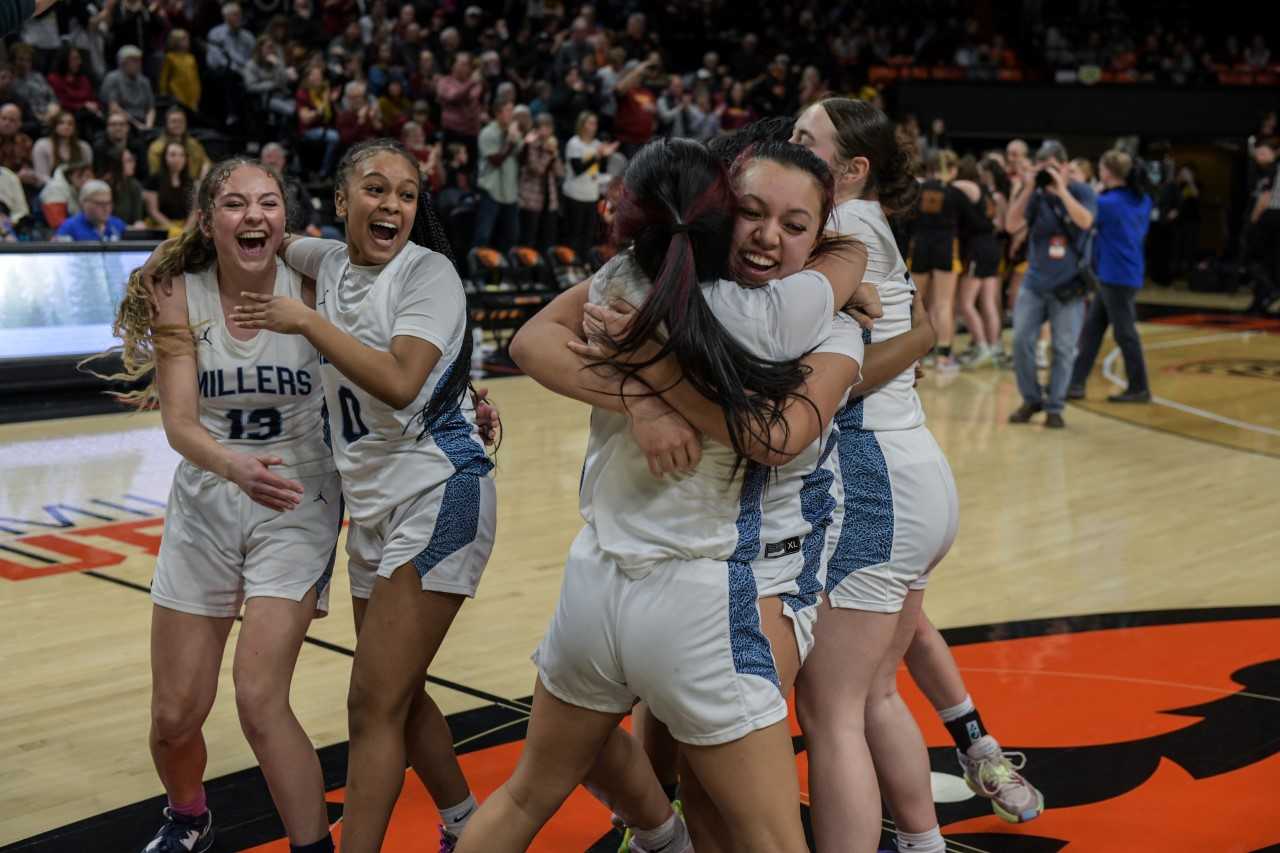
{"points": [[182, 834]]}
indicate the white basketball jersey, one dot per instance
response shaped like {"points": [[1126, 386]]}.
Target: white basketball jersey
{"points": [[263, 394], [713, 513], [387, 456], [895, 404]]}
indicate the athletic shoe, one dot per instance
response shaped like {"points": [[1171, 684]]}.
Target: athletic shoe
{"points": [[448, 841], [993, 774], [680, 843], [1023, 413], [1054, 420], [1130, 397], [1042, 354], [976, 358], [182, 834], [947, 365], [1075, 392], [929, 360], [1004, 360]]}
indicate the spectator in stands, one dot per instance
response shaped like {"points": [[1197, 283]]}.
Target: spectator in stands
{"points": [[14, 15], [636, 119], [303, 207], [1058, 218], [13, 197], [315, 114], [95, 221], [422, 82], [459, 94], [169, 192], [15, 146], [176, 131], [585, 158], [637, 41], [812, 87], [134, 22], [231, 46], [569, 99], [497, 215], [60, 197], [72, 85], [395, 106], [119, 134], [737, 112], [541, 171], [677, 116], [303, 26], [575, 47], [607, 77], [180, 74], [120, 171], [774, 95], [269, 78], [382, 69], [127, 89], [62, 145], [30, 84], [1124, 214], [358, 120], [429, 157]]}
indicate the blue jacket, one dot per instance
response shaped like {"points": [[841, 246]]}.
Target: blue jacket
{"points": [[79, 228], [1121, 224]]}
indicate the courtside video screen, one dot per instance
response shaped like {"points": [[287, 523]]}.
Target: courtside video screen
{"points": [[61, 303]]}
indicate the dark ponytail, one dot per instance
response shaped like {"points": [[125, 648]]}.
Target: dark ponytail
{"points": [[429, 233], [862, 130], [675, 214]]}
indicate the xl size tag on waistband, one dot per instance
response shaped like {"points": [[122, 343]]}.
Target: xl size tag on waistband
{"points": [[783, 548]]}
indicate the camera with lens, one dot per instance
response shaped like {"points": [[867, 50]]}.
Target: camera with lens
{"points": [[1044, 179]]}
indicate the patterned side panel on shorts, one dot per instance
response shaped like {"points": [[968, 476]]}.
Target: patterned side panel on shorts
{"points": [[750, 647], [456, 523], [322, 582], [451, 432], [867, 536], [816, 507]]}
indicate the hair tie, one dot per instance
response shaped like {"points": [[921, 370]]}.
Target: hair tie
{"points": [[680, 228]]}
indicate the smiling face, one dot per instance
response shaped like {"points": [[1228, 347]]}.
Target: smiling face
{"points": [[779, 219], [247, 222], [65, 128], [379, 203], [815, 131]]}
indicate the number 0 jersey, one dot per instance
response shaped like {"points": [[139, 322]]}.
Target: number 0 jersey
{"points": [[383, 456], [263, 394]]}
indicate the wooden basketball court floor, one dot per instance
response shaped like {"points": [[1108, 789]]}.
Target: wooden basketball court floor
{"points": [[1113, 599]]}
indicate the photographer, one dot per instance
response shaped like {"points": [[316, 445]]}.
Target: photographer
{"points": [[1124, 214], [1058, 214]]}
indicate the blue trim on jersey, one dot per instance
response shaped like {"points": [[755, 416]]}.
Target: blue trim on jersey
{"points": [[850, 417], [752, 654], [456, 522], [451, 432], [866, 539], [322, 582], [816, 507]]}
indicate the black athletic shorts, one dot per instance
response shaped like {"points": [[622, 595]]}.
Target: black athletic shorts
{"points": [[982, 256], [934, 252]]}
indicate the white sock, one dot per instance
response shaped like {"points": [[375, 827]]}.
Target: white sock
{"points": [[955, 712], [455, 817], [656, 840], [922, 842]]}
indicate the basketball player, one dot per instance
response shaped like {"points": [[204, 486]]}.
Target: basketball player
{"points": [[935, 253], [803, 492], [899, 518], [659, 601], [390, 324], [255, 508], [980, 251]]}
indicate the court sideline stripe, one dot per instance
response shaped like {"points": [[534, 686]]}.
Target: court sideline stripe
{"points": [[1110, 374], [509, 704]]}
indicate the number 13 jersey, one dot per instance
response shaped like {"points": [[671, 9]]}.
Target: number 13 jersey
{"points": [[389, 456], [262, 395]]}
